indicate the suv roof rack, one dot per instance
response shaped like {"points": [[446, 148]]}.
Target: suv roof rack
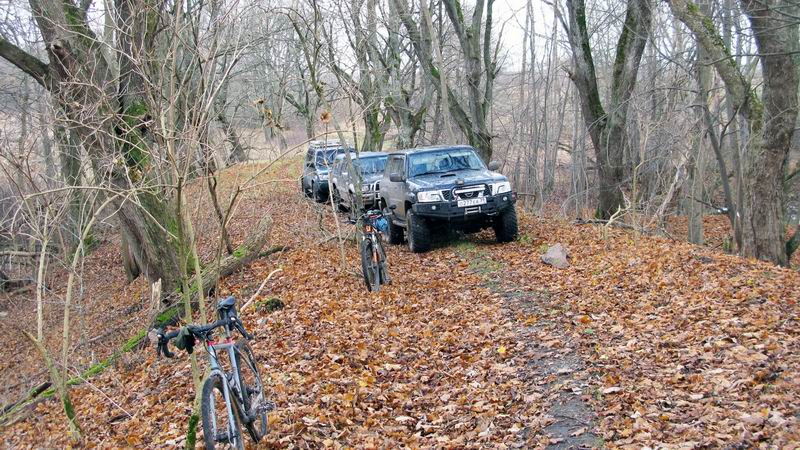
{"points": [[324, 143]]}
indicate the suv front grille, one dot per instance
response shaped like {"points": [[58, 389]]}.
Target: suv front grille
{"points": [[475, 191], [447, 194]]}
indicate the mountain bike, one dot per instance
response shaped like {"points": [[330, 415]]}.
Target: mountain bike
{"points": [[229, 399], [373, 258]]}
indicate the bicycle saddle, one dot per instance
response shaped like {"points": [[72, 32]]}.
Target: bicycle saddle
{"points": [[226, 303]]}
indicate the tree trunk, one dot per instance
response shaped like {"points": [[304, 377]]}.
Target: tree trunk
{"points": [[238, 152], [608, 130], [778, 44], [771, 120], [697, 160], [109, 122]]}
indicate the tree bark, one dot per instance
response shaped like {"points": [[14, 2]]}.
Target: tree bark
{"points": [[778, 44], [771, 120], [110, 117], [608, 129]]}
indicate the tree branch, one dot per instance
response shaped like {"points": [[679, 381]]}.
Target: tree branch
{"points": [[701, 26], [26, 62]]}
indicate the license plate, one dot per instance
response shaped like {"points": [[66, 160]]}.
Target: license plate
{"points": [[472, 202]]}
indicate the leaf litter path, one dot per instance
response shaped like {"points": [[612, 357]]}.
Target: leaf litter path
{"points": [[671, 345], [682, 347]]}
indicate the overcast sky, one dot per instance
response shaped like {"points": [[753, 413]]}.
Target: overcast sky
{"points": [[512, 14]]}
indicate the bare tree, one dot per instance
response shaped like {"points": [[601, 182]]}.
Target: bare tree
{"points": [[480, 66], [607, 126], [770, 119]]}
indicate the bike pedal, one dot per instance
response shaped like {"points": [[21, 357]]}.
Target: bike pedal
{"points": [[267, 406]]}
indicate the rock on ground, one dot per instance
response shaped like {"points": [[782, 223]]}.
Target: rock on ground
{"points": [[556, 256]]}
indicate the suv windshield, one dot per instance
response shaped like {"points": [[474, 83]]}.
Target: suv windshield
{"points": [[326, 157], [442, 161], [369, 166]]}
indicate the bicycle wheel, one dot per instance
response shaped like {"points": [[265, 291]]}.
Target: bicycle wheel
{"points": [[368, 268], [256, 404], [221, 428]]}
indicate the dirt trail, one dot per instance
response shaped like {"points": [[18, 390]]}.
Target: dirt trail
{"points": [[560, 372]]}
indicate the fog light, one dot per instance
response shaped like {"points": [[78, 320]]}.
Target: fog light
{"points": [[433, 208], [505, 198]]}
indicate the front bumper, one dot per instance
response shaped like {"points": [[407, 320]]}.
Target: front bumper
{"points": [[322, 185], [450, 210], [370, 199]]}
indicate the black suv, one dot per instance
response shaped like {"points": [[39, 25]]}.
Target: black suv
{"points": [[432, 189], [319, 160]]}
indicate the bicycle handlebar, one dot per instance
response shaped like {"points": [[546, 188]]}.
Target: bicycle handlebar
{"points": [[198, 332]]}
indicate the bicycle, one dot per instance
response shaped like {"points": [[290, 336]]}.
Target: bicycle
{"points": [[233, 397], [373, 258]]}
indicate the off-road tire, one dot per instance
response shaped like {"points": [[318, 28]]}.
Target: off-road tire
{"points": [[505, 225], [215, 382], [419, 240], [319, 197]]}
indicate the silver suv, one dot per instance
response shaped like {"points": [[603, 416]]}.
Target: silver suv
{"points": [[370, 165]]}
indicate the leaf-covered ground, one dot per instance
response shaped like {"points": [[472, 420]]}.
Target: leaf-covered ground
{"points": [[677, 345]]}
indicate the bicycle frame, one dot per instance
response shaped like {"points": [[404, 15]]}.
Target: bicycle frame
{"points": [[229, 346]]}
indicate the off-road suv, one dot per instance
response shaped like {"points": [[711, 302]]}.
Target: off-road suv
{"points": [[319, 160], [426, 191], [370, 166]]}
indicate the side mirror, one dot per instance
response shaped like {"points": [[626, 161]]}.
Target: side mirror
{"points": [[392, 207], [396, 178], [494, 166]]}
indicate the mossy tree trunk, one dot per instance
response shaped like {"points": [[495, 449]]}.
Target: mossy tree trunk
{"points": [[109, 116], [771, 119], [607, 126]]}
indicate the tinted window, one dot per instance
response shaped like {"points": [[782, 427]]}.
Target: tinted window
{"points": [[326, 157], [443, 161], [372, 165], [395, 165]]}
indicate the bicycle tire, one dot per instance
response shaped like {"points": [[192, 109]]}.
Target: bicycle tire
{"points": [[366, 263], [208, 412], [252, 387], [383, 266], [377, 276]]}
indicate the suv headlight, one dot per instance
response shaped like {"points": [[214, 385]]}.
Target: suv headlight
{"points": [[501, 187], [429, 196]]}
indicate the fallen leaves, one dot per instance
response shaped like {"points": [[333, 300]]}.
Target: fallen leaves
{"points": [[679, 346], [684, 344]]}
